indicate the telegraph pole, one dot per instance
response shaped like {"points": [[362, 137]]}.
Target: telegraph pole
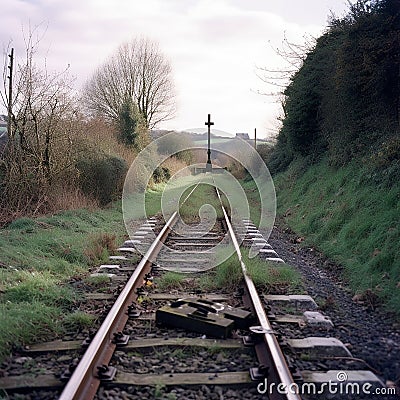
{"points": [[208, 165], [10, 80]]}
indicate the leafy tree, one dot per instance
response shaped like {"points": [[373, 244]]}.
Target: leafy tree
{"points": [[132, 128]]}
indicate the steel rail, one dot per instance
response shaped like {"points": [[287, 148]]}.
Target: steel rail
{"points": [[85, 381], [278, 368]]}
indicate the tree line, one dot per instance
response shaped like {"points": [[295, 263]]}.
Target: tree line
{"points": [[343, 102], [67, 150]]}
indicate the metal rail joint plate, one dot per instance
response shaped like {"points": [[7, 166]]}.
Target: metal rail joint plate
{"points": [[203, 316]]}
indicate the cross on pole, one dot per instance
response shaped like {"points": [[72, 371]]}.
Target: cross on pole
{"points": [[209, 123]]}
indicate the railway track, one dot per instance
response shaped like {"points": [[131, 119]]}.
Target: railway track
{"points": [[278, 345]]}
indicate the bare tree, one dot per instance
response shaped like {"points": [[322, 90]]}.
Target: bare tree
{"points": [[293, 55], [40, 155], [137, 71]]}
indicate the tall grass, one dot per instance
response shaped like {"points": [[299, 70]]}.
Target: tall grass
{"points": [[269, 276], [266, 276], [38, 260], [227, 275]]}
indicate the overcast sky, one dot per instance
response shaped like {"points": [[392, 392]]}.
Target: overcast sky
{"points": [[214, 46]]}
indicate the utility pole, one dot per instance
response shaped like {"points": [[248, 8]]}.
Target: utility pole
{"points": [[208, 165], [10, 81], [255, 138]]}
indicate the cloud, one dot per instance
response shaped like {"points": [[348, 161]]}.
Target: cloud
{"points": [[214, 46]]}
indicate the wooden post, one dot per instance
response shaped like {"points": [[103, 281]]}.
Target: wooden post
{"points": [[255, 138], [10, 80], [208, 165]]}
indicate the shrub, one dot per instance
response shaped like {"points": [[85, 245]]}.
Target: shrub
{"points": [[102, 177], [344, 96], [161, 174], [264, 150], [175, 144], [22, 223]]}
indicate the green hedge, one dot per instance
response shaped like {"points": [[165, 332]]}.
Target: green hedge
{"points": [[102, 177]]}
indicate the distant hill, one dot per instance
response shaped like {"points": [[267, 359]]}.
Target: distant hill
{"points": [[194, 134], [199, 136], [214, 132]]}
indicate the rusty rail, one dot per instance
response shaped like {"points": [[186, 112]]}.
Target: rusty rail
{"points": [[270, 351], [85, 379]]}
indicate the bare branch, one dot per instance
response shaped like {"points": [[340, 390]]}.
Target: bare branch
{"points": [[139, 71], [294, 56]]}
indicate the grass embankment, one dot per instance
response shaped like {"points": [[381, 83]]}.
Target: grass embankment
{"points": [[38, 258], [351, 219]]}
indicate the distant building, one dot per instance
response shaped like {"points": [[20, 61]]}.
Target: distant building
{"points": [[244, 136]]}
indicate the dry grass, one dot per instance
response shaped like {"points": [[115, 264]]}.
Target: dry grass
{"points": [[103, 135], [174, 165], [27, 193], [100, 247], [72, 199], [58, 199]]}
